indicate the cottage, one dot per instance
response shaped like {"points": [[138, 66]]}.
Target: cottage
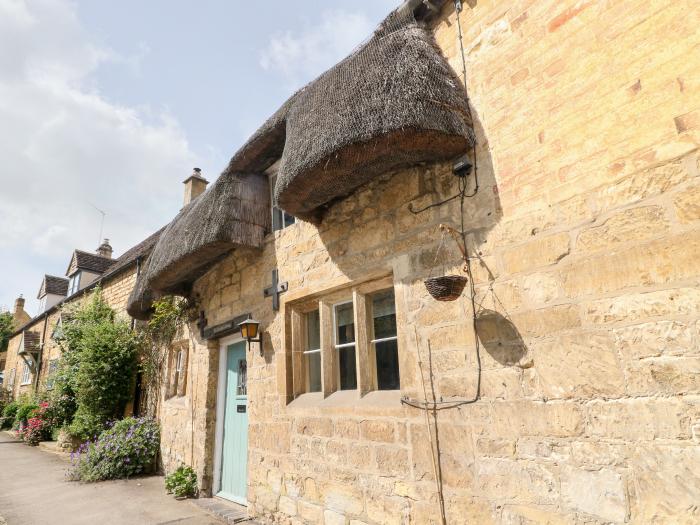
{"points": [[560, 385], [327, 380]]}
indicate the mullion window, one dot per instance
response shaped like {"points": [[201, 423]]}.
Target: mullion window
{"points": [[345, 345], [385, 341], [312, 352]]}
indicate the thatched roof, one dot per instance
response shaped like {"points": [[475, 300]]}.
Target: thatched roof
{"points": [[234, 212], [394, 102]]}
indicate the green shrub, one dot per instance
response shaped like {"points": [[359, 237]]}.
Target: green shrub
{"points": [[97, 366], [25, 411], [128, 448], [10, 409], [9, 413], [182, 483]]}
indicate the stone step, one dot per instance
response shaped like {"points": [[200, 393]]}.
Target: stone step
{"points": [[226, 511], [52, 446]]}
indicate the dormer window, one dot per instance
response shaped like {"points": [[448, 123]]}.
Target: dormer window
{"points": [[280, 218], [74, 283]]}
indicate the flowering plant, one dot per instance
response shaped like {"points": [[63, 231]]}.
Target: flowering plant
{"points": [[125, 449], [38, 427]]}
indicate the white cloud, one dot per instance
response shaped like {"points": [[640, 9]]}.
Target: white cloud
{"points": [[64, 146], [302, 55]]}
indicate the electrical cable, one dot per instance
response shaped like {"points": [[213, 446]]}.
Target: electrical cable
{"points": [[462, 185]]}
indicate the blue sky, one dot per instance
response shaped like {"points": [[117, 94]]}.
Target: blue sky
{"points": [[110, 104]]}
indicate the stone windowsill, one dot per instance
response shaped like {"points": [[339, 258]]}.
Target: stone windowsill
{"points": [[347, 399]]}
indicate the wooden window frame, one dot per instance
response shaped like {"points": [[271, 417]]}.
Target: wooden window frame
{"points": [[360, 295], [26, 372]]}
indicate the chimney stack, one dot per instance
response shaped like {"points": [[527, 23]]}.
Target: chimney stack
{"points": [[19, 316], [19, 304], [195, 185], [104, 249]]}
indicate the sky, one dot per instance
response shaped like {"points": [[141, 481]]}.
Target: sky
{"points": [[107, 106]]}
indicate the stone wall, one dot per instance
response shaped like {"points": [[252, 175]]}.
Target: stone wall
{"points": [[586, 235]]}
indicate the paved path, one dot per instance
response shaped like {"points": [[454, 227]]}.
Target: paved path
{"points": [[33, 491]]}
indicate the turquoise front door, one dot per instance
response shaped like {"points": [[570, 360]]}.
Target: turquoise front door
{"points": [[234, 455]]}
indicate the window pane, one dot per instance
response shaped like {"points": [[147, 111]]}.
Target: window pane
{"points": [[346, 362], [384, 315], [387, 365], [276, 219], [288, 219], [313, 369], [242, 386], [313, 331], [345, 324]]}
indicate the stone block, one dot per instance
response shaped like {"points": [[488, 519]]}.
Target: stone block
{"points": [[531, 418], [346, 498], [657, 262], [546, 321], [635, 224], [641, 306], [600, 493], [640, 185], [333, 518], [346, 428], [540, 289], [687, 204], [543, 449], [638, 419], [533, 515], [387, 510], [579, 365], [501, 383], [665, 482], [310, 512], [288, 506], [376, 430], [515, 481], [536, 253], [664, 375], [359, 456], [318, 426], [392, 460], [658, 338], [498, 448]]}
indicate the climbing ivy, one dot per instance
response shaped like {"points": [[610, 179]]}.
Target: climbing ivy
{"points": [[170, 314]]}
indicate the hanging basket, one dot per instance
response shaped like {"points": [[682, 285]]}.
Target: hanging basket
{"points": [[445, 288]]}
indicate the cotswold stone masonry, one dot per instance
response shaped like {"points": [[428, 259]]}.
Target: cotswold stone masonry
{"points": [[586, 238]]}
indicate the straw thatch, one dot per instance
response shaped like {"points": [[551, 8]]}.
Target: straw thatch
{"points": [[394, 102], [234, 212]]}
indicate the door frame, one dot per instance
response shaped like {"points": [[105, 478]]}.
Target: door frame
{"points": [[221, 385]]}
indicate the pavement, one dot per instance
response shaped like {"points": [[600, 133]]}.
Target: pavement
{"points": [[34, 491]]}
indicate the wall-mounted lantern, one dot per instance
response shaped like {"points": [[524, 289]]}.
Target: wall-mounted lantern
{"points": [[250, 331]]}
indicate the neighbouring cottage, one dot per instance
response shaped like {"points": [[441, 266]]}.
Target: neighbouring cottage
{"points": [[565, 383], [33, 351]]}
